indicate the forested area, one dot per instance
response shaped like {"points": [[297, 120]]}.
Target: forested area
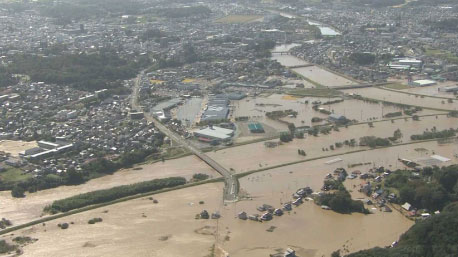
{"points": [[362, 58], [432, 189], [106, 195], [81, 71]]}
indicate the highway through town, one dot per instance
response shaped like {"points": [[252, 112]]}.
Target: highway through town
{"points": [[231, 184]]}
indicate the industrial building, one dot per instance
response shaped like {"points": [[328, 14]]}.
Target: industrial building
{"points": [[217, 108], [423, 83], [214, 134]]}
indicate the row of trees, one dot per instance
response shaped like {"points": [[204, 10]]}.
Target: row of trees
{"points": [[434, 134], [102, 196], [93, 169]]}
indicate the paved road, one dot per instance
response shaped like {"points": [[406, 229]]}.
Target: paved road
{"points": [[231, 183]]}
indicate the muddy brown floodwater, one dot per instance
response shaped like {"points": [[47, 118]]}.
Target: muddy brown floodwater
{"points": [[308, 229], [256, 108], [257, 155], [141, 228], [134, 228], [22, 210], [426, 102]]}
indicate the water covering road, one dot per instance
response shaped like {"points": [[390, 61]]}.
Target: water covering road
{"points": [[231, 184]]}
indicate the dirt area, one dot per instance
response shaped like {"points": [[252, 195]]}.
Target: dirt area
{"points": [[257, 155], [134, 228], [22, 210], [422, 101], [240, 19], [15, 147]]}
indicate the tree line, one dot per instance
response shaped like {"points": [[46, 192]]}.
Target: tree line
{"points": [[96, 168], [107, 195], [81, 71]]}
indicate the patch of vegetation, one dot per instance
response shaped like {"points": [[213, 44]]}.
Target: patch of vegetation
{"points": [[373, 141], [95, 220], [433, 189], [106, 195], [362, 58], [4, 223], [81, 71], [340, 200], [199, 177], [93, 169], [286, 137], [22, 240], [442, 54], [392, 114], [280, 114], [12, 175], [6, 248], [434, 134], [396, 86], [314, 92], [239, 18]]}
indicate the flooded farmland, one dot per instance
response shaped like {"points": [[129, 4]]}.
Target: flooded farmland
{"points": [[257, 155], [22, 210], [350, 108], [134, 228], [426, 102], [308, 229]]}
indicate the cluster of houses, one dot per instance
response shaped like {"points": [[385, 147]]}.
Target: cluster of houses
{"points": [[268, 211]]}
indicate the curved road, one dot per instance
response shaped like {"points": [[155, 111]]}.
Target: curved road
{"points": [[231, 184]]}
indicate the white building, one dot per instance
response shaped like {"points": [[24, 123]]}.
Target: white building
{"points": [[423, 83], [213, 133]]}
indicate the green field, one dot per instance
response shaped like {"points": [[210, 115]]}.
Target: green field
{"points": [[314, 92], [239, 18], [13, 175], [438, 53], [397, 86]]}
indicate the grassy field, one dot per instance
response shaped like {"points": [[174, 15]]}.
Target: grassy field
{"points": [[13, 175], [397, 86], [442, 54], [314, 92], [239, 19]]}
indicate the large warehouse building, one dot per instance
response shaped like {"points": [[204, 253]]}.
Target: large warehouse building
{"points": [[217, 108], [214, 134]]}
